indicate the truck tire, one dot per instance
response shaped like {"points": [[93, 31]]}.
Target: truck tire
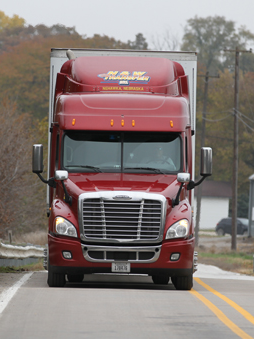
{"points": [[160, 279], [75, 278], [183, 283], [55, 279]]}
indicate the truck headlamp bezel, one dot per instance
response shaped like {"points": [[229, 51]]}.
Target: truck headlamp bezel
{"points": [[180, 229], [64, 227]]}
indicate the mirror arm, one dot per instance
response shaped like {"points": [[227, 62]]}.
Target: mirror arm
{"points": [[193, 184], [176, 200], [67, 197], [51, 182]]}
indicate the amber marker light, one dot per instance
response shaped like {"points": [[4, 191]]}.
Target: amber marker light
{"points": [[122, 123], [112, 122], [133, 123], [171, 123], [73, 122]]}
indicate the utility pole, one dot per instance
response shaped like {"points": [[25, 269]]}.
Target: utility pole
{"points": [[199, 189], [235, 158]]}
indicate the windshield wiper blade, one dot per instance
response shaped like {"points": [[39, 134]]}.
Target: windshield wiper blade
{"points": [[97, 169], [156, 170]]}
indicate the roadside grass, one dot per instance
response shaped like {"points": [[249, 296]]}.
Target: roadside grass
{"points": [[27, 268], [207, 233], [229, 261]]}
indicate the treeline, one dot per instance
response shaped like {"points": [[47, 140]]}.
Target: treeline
{"points": [[215, 41], [24, 92], [24, 89]]}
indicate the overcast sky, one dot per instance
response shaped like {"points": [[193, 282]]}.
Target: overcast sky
{"points": [[124, 19]]}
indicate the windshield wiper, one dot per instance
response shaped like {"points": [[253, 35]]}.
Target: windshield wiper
{"points": [[156, 170], [97, 169]]}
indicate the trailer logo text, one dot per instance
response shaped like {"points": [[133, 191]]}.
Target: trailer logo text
{"points": [[125, 77]]}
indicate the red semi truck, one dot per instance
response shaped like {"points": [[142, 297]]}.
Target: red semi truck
{"points": [[121, 165]]}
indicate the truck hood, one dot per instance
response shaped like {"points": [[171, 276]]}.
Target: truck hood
{"points": [[166, 185]]}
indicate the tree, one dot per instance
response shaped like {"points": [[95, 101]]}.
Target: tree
{"points": [[219, 126], [166, 42], [9, 23], [13, 36], [210, 36], [98, 41], [24, 77], [139, 43], [218, 117], [21, 195], [242, 206]]}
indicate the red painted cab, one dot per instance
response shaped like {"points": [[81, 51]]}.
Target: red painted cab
{"points": [[120, 166]]}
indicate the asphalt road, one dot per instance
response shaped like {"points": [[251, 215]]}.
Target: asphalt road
{"points": [[221, 305]]}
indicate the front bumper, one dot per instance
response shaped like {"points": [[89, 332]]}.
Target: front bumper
{"points": [[160, 263]]}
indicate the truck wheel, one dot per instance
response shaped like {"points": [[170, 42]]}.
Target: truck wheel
{"points": [[183, 283], [55, 279], [160, 279], [75, 278]]}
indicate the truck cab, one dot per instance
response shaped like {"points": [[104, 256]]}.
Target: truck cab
{"points": [[121, 169]]}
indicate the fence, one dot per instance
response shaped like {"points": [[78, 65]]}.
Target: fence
{"points": [[19, 255]]}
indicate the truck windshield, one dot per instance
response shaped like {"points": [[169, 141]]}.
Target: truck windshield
{"points": [[126, 152]]}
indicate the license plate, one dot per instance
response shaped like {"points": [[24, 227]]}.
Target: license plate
{"points": [[121, 267]]}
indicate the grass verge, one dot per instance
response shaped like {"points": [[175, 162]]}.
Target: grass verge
{"points": [[27, 268], [232, 261]]}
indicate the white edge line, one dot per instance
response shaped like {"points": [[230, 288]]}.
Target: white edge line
{"points": [[7, 295]]}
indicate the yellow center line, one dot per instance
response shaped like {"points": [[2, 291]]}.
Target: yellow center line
{"points": [[244, 313], [222, 317]]}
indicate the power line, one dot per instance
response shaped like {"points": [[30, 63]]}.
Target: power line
{"points": [[252, 129], [245, 116], [213, 113], [229, 115], [239, 117], [217, 120]]}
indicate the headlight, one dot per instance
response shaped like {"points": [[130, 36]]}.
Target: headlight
{"points": [[64, 227], [178, 230]]}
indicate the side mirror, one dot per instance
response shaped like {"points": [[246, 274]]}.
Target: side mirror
{"points": [[37, 162], [205, 166], [61, 175], [206, 161], [183, 177]]}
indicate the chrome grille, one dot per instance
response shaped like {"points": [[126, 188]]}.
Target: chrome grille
{"points": [[122, 220]]}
